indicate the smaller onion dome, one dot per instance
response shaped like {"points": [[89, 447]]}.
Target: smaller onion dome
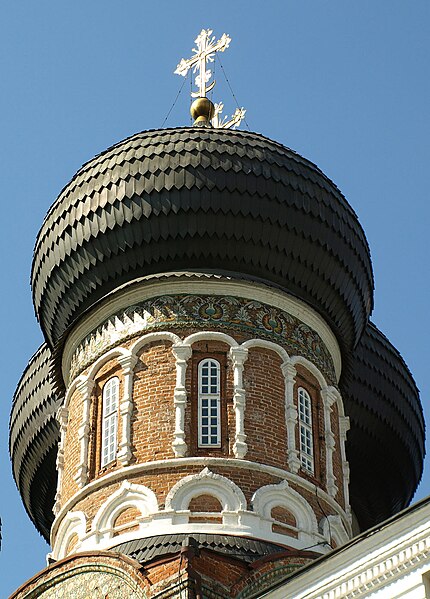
{"points": [[33, 439], [385, 445]]}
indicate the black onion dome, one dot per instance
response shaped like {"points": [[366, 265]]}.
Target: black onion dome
{"points": [[202, 199], [385, 445], [33, 439]]}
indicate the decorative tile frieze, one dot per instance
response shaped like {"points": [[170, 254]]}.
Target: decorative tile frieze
{"points": [[246, 316]]}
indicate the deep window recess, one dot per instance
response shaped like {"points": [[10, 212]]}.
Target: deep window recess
{"points": [[209, 403], [305, 431], [110, 421]]}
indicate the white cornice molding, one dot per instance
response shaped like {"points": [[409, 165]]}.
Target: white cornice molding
{"points": [[136, 469], [173, 285], [364, 567]]}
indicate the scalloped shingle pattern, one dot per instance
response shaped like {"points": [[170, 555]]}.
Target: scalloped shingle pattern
{"points": [[385, 445], [202, 199], [33, 440]]}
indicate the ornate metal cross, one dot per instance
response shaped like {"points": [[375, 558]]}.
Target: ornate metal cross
{"points": [[203, 54]]}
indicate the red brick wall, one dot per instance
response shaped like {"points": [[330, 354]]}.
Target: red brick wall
{"points": [[153, 419], [265, 408]]}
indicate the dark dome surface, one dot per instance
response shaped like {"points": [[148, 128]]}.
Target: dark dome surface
{"points": [[33, 439], [202, 199], [385, 445]]}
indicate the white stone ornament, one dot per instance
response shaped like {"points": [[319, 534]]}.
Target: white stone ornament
{"points": [[203, 54]]}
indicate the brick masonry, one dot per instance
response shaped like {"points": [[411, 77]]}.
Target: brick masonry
{"points": [[153, 429]]}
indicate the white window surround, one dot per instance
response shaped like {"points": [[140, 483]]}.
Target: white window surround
{"points": [[238, 355], [330, 395], [110, 403], [209, 403], [85, 388], [306, 432], [126, 408]]}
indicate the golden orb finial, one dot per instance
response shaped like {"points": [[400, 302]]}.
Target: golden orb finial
{"points": [[202, 110]]}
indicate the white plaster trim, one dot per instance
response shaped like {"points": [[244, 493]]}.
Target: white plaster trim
{"points": [[85, 388], [332, 528], [148, 289], [397, 552], [136, 469], [126, 408], [267, 345], [212, 335], [236, 519], [291, 416], [73, 523], [206, 482], [239, 356], [182, 354], [128, 495], [281, 495], [62, 418], [330, 443], [242, 524], [312, 369], [150, 337], [116, 353]]}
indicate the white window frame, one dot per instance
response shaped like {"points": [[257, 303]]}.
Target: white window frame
{"points": [[306, 436], [110, 403], [209, 403]]}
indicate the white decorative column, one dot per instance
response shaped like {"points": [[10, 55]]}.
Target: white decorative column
{"points": [[289, 372], [182, 354], [85, 387], [344, 426], [329, 398], [238, 356], [126, 408], [62, 417]]}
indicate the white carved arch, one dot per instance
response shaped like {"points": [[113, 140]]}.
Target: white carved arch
{"points": [[282, 495], [117, 352], [338, 399], [206, 482], [128, 495], [210, 335], [251, 343], [78, 381], [73, 523], [312, 369], [332, 528], [155, 336]]}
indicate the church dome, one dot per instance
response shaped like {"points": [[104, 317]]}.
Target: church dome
{"points": [[236, 204], [198, 199]]}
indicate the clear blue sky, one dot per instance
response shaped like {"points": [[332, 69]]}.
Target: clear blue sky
{"points": [[344, 83]]}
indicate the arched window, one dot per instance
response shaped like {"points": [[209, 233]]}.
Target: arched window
{"points": [[305, 431], [110, 421], [209, 403]]}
